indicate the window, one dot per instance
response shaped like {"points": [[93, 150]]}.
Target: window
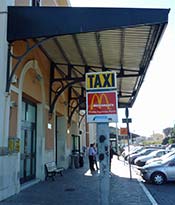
{"points": [[75, 143], [35, 2]]}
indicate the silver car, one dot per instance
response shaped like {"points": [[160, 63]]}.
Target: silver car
{"points": [[167, 155], [140, 161], [159, 172], [144, 152]]}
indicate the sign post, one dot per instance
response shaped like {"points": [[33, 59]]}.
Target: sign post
{"points": [[101, 100], [127, 121], [104, 152]]}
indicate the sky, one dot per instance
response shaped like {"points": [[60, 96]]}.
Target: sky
{"points": [[154, 108]]}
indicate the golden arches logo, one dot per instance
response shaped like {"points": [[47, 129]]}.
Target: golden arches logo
{"points": [[99, 98]]}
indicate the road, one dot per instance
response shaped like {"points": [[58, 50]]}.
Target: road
{"points": [[163, 194]]}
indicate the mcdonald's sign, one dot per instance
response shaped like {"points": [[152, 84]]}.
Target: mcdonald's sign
{"points": [[102, 106]]}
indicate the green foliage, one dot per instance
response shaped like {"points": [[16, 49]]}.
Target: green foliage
{"points": [[147, 143], [165, 141], [173, 132], [171, 140]]}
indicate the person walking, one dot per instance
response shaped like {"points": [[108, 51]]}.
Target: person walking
{"points": [[110, 157], [95, 157], [91, 157]]}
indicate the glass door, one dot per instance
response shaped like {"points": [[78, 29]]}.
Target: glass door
{"points": [[28, 142], [75, 144]]}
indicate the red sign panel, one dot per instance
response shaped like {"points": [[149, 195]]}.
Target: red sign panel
{"points": [[102, 103], [123, 131]]}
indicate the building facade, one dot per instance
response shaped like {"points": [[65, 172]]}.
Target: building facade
{"points": [[30, 136], [40, 117]]}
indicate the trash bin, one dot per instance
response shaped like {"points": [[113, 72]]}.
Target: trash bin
{"points": [[71, 162], [76, 161], [81, 160]]}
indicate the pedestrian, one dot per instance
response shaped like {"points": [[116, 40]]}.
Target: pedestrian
{"points": [[91, 157], [95, 157], [110, 157]]}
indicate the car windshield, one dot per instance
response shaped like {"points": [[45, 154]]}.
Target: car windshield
{"points": [[135, 151], [168, 159], [152, 154], [167, 155], [145, 151]]}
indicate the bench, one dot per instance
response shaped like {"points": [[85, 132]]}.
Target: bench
{"points": [[51, 170]]}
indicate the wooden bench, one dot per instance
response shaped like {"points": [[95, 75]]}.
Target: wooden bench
{"points": [[51, 170]]}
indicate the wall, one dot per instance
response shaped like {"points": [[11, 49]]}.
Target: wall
{"points": [[43, 2], [13, 114], [8, 165], [62, 156], [3, 67], [9, 181], [37, 90]]}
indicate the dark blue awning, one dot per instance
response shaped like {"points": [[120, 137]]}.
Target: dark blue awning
{"points": [[84, 40], [34, 22]]}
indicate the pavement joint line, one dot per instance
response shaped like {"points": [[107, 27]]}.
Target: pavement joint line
{"points": [[148, 194]]}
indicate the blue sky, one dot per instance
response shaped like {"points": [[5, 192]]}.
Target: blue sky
{"points": [[154, 108]]}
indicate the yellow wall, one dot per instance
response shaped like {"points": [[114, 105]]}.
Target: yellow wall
{"points": [[49, 142], [22, 2], [44, 2], [13, 115], [31, 83], [32, 88]]}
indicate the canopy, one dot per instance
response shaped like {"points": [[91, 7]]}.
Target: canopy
{"points": [[81, 40]]}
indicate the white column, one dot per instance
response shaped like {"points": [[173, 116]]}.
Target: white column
{"points": [[4, 120], [9, 184]]}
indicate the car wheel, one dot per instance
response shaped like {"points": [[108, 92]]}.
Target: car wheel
{"points": [[158, 178]]}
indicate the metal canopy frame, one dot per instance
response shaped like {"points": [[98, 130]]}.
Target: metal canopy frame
{"points": [[81, 40]]}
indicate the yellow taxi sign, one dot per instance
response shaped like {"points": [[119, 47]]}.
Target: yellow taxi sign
{"points": [[101, 81]]}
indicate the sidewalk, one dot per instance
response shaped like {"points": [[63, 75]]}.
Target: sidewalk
{"points": [[78, 186]]}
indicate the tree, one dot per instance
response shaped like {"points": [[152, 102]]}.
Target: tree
{"points": [[173, 132], [165, 141], [167, 131], [171, 140]]}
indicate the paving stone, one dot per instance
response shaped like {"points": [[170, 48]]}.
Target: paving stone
{"points": [[78, 186]]}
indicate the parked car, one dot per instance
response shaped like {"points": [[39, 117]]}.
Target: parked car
{"points": [[133, 151], [140, 161], [171, 147], [161, 158], [159, 172], [145, 151], [126, 151]]}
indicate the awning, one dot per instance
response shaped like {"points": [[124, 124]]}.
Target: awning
{"points": [[81, 40]]}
